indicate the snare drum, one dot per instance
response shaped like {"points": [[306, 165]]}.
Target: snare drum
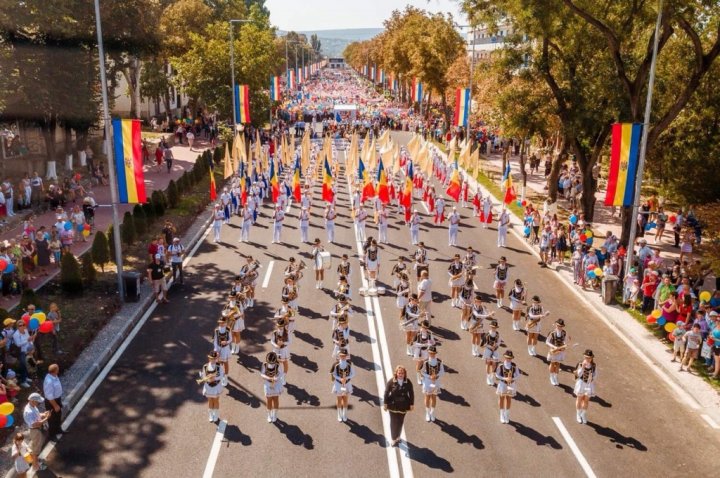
{"points": [[325, 259]]}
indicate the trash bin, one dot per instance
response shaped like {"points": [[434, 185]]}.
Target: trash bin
{"points": [[131, 284], [609, 288]]}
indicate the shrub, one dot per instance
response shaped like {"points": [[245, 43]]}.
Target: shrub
{"points": [[88, 269], [111, 242], [149, 212], [127, 229], [217, 155], [140, 220], [4, 314], [28, 297], [173, 195], [100, 251], [70, 277], [158, 204]]}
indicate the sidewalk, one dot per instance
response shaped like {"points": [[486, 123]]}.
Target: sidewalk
{"points": [[691, 389], [154, 180]]}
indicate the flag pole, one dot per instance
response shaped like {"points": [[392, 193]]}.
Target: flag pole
{"points": [[109, 153], [643, 143]]}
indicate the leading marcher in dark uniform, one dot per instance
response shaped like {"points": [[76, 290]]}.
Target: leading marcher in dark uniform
{"points": [[399, 399]]}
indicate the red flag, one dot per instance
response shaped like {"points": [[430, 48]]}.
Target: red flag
{"points": [[213, 188], [454, 188]]}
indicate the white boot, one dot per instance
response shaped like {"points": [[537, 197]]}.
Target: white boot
{"points": [[210, 415], [530, 350], [463, 325], [216, 414], [490, 379], [502, 416], [344, 414], [340, 417], [269, 416], [579, 416], [419, 379], [432, 414], [274, 415], [507, 415], [474, 350], [224, 381], [516, 325], [427, 414], [533, 353], [408, 350], [583, 415]]}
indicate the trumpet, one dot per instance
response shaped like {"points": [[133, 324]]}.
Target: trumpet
{"points": [[211, 377]]}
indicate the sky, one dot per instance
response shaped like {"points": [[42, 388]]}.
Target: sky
{"points": [[306, 15]]}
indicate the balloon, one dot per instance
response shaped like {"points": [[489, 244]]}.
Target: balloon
{"points": [[86, 233], [25, 318], [669, 327], [671, 337], [79, 228], [591, 274], [705, 296], [650, 319], [3, 421], [661, 321], [68, 226], [591, 267], [7, 408], [10, 421], [34, 324], [3, 264], [673, 219], [716, 334], [46, 327], [524, 202], [573, 219], [656, 313], [87, 227], [9, 268], [519, 203], [583, 238], [710, 341], [527, 230], [598, 272], [40, 316], [588, 234]]}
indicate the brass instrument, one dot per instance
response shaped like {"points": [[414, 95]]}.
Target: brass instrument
{"points": [[211, 377]]}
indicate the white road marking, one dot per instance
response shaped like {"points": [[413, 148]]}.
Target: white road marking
{"points": [[710, 421], [116, 356], [266, 279], [574, 448], [215, 450]]}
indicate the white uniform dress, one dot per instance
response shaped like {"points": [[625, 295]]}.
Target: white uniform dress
{"points": [[492, 345], [239, 310], [501, 276], [455, 269], [477, 315], [341, 339], [411, 321], [402, 289], [372, 260], [516, 298], [428, 370], [222, 350], [270, 371], [556, 340], [214, 388], [502, 371], [534, 315], [338, 373], [585, 383], [421, 345], [282, 351]]}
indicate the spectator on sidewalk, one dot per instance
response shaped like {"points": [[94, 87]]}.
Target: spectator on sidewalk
{"points": [[156, 275], [693, 341], [152, 248], [159, 155], [19, 451], [8, 193], [36, 184], [35, 422], [53, 391], [168, 156], [176, 252], [55, 247], [169, 232], [28, 251], [649, 285], [26, 190], [55, 316]]}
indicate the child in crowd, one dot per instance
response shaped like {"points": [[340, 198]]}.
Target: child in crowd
{"points": [[679, 344]]}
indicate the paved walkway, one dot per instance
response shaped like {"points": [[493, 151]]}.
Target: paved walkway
{"points": [[154, 179]]}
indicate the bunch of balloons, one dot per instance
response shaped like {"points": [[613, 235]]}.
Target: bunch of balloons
{"points": [[6, 418], [38, 321], [705, 296], [6, 267]]}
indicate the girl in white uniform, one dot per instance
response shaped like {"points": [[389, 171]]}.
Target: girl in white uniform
{"points": [[466, 301], [399, 268], [478, 313], [218, 219], [410, 322], [221, 345], [507, 374], [557, 340], [501, 277], [234, 310], [372, 263], [421, 344], [280, 342], [383, 225], [432, 372], [491, 341], [455, 280], [273, 380], [341, 335], [402, 290], [534, 314], [330, 222], [211, 376], [304, 219], [318, 264], [585, 374], [342, 373], [517, 302]]}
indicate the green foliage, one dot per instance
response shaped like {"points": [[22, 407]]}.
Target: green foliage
{"points": [[158, 203], [173, 195], [100, 251], [111, 242], [141, 225], [89, 273], [217, 155], [149, 212], [182, 184], [30, 297], [70, 277], [4, 314], [127, 229]]}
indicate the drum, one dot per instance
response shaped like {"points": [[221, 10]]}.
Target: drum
{"points": [[325, 259]]}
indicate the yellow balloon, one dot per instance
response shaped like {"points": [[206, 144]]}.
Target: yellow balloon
{"points": [[670, 326], [656, 313], [7, 408], [598, 272], [85, 233], [705, 296], [40, 316], [588, 234]]}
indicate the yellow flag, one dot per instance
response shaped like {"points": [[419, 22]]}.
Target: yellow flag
{"points": [[228, 163], [371, 161]]}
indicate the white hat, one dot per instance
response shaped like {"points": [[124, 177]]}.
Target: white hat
{"points": [[36, 397]]}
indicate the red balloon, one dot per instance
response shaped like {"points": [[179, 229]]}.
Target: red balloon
{"points": [[46, 327], [583, 237], [26, 318], [3, 421], [673, 219], [671, 337], [711, 341], [3, 264], [591, 267], [524, 203], [650, 319], [87, 227]]}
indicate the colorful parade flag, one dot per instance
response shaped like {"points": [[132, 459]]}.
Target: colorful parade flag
{"points": [[275, 93], [508, 185], [228, 163], [291, 79], [417, 90], [243, 185], [213, 188], [454, 188], [242, 103], [297, 192], [274, 184], [368, 190], [624, 155], [382, 187], [327, 184], [406, 199], [462, 107], [127, 147]]}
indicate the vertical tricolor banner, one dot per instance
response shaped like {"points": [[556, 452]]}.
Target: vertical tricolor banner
{"points": [[417, 90], [127, 147], [372, 74], [307, 72], [365, 70], [275, 88], [382, 78], [462, 107], [624, 155], [242, 103], [291, 79]]}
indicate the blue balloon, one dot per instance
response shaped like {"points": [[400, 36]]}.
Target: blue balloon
{"points": [[573, 219], [9, 268], [661, 321], [68, 225], [79, 228], [33, 324], [527, 230], [519, 203], [591, 274], [10, 421]]}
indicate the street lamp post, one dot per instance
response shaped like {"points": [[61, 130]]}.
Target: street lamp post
{"points": [[232, 65]]}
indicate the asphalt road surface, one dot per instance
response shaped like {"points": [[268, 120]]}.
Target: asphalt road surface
{"points": [[149, 419]]}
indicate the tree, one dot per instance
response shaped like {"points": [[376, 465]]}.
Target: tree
{"points": [[70, 277], [127, 229], [111, 242], [29, 296], [140, 220], [158, 203], [100, 251], [709, 216], [173, 195], [315, 43], [88, 269]]}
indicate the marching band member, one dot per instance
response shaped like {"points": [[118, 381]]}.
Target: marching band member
{"points": [[517, 303], [455, 272], [330, 222], [218, 219], [453, 227], [414, 227], [290, 292], [398, 269], [304, 219], [470, 259], [340, 308], [439, 210], [585, 374], [280, 341], [420, 257], [507, 373], [410, 322], [234, 312], [486, 213], [342, 373], [383, 224], [360, 219], [226, 200], [249, 277], [503, 223], [421, 342], [318, 264], [501, 276], [212, 378], [402, 290], [278, 218], [432, 371], [343, 288], [273, 380], [343, 269], [247, 221], [557, 340], [477, 202], [478, 313], [341, 335], [491, 341], [534, 314], [372, 263], [305, 201], [466, 301], [464, 194], [221, 345]]}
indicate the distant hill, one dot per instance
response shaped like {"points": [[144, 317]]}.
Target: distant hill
{"points": [[333, 42]]}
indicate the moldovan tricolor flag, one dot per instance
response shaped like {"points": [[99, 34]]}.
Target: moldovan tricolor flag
{"points": [[127, 147], [368, 190], [372, 74], [406, 197], [508, 185], [213, 188], [417, 90], [244, 183], [462, 107], [242, 103], [454, 188], [274, 185], [382, 188], [624, 155], [275, 88], [296, 181], [382, 78], [291, 79], [327, 191]]}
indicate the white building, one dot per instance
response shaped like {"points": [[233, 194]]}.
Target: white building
{"points": [[146, 107], [481, 42]]}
